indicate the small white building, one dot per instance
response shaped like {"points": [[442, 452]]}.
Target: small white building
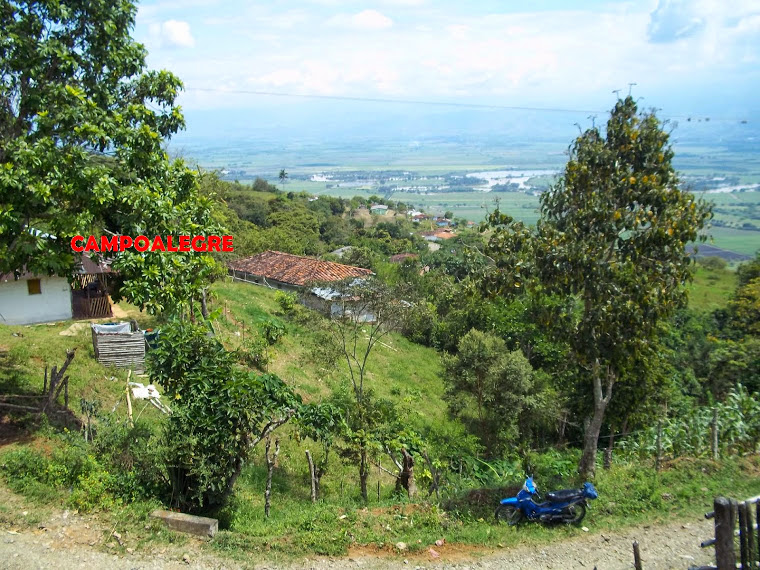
{"points": [[29, 298], [34, 299]]}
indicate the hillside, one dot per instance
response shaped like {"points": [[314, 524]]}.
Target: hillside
{"points": [[398, 369]]}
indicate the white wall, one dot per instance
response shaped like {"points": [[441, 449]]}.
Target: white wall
{"points": [[18, 307]]}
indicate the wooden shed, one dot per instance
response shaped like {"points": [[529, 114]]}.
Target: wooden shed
{"points": [[116, 344]]}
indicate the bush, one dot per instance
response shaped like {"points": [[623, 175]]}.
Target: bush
{"points": [[272, 331], [217, 411], [286, 301], [71, 466]]}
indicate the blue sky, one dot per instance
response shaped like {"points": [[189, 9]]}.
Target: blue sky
{"points": [[685, 56]]}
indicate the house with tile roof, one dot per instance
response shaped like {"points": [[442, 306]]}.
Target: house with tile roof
{"points": [[296, 273], [293, 272]]}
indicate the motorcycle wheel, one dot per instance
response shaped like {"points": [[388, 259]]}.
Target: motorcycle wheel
{"points": [[508, 514], [575, 513]]}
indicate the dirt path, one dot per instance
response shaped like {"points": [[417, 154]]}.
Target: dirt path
{"points": [[69, 541]]}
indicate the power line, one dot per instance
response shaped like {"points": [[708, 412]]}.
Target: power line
{"points": [[690, 118], [387, 100]]}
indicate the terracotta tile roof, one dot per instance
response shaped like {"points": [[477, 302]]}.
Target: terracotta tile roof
{"points": [[296, 269], [399, 257], [444, 233]]}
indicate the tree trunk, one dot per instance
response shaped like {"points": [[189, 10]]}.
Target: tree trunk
{"points": [[587, 465], [363, 472], [608, 450], [313, 476], [405, 479], [204, 306], [270, 468]]}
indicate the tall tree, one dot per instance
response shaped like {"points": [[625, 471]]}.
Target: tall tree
{"points": [[612, 234], [82, 122], [363, 313]]}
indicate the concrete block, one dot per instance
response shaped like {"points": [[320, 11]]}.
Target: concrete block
{"points": [[199, 526]]}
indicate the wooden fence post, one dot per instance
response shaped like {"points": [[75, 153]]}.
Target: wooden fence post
{"points": [[658, 457], [743, 545], [757, 519], [636, 556], [714, 433], [313, 477], [271, 461], [725, 521], [753, 552]]}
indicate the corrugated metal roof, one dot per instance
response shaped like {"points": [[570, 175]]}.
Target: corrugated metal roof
{"points": [[86, 265], [296, 269]]}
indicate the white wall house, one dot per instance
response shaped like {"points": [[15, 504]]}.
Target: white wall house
{"points": [[33, 299]]}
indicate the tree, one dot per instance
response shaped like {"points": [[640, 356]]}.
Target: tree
{"points": [[283, 176], [612, 234], [219, 413], [322, 423], [81, 127], [500, 385], [364, 312]]}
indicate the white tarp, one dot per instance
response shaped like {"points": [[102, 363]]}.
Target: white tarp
{"points": [[112, 328]]}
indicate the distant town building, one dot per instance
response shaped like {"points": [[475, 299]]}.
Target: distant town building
{"points": [[379, 209], [401, 257], [439, 235]]}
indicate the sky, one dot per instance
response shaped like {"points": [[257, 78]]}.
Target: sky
{"points": [[684, 56]]}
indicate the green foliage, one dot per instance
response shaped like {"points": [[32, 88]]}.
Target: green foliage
{"points": [[286, 301], [121, 466], [689, 433], [272, 331], [744, 308], [713, 263], [612, 234], [83, 122], [218, 412], [495, 391]]}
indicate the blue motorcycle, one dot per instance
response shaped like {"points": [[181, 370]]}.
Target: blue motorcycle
{"points": [[566, 506]]}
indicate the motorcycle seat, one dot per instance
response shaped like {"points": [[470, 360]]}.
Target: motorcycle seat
{"points": [[564, 495]]}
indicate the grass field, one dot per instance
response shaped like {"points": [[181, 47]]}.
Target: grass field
{"points": [[711, 288]]}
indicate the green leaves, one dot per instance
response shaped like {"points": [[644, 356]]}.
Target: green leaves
{"points": [[612, 233], [217, 411], [81, 127]]}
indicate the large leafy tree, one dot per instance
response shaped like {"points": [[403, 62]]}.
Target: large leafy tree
{"points": [[612, 234], [494, 390], [81, 126], [219, 413]]}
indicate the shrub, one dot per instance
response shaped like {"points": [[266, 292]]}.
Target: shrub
{"points": [[272, 331], [286, 301], [218, 413]]}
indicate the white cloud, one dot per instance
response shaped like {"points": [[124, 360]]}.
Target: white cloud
{"points": [[559, 57], [364, 20], [673, 20], [176, 33]]}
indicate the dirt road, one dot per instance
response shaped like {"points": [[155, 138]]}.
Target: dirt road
{"points": [[68, 541]]}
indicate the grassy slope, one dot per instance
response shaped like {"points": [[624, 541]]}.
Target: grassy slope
{"points": [[397, 367], [29, 349], [711, 289]]}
